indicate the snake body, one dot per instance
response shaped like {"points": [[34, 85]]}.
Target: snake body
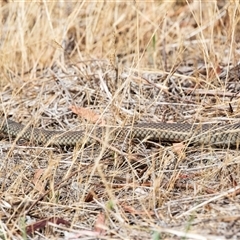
{"points": [[210, 134]]}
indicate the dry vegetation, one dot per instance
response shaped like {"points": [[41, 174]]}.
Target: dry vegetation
{"points": [[119, 63]]}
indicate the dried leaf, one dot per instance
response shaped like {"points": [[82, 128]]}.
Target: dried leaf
{"points": [[178, 148], [136, 212], [87, 114], [37, 182], [30, 229], [100, 223]]}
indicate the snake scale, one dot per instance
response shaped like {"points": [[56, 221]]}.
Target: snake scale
{"points": [[207, 134]]}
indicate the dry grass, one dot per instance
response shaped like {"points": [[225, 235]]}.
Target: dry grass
{"points": [[127, 62]]}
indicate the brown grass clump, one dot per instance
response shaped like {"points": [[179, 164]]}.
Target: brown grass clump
{"points": [[119, 63]]}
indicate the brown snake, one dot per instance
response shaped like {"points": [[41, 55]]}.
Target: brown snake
{"points": [[210, 134]]}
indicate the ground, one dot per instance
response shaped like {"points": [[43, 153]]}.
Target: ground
{"points": [[65, 65]]}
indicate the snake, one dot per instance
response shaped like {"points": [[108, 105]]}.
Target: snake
{"points": [[197, 134]]}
